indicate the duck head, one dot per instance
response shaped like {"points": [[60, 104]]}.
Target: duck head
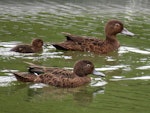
{"points": [[37, 42], [113, 27], [85, 67]]}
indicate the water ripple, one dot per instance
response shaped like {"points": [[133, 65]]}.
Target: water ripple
{"points": [[124, 67], [6, 80], [143, 68], [97, 82], [124, 49], [67, 8], [133, 78], [38, 85]]}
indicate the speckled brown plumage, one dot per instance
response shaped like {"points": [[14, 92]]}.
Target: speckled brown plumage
{"points": [[36, 46], [84, 43], [59, 77]]}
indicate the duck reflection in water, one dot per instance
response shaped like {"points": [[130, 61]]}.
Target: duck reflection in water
{"points": [[82, 96]]}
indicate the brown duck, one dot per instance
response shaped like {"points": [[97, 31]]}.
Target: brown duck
{"points": [[83, 43], [35, 46], [60, 77]]}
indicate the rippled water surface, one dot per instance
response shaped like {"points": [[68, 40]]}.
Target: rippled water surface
{"points": [[126, 87]]}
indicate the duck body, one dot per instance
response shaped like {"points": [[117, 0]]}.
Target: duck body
{"points": [[59, 77], [53, 79], [90, 44], [23, 49], [35, 46], [84, 43]]}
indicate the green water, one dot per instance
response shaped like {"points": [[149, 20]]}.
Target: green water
{"points": [[125, 89]]}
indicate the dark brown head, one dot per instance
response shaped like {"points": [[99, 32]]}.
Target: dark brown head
{"points": [[113, 27], [37, 43], [85, 67]]}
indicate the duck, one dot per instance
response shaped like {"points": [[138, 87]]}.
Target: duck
{"points": [[34, 47], [60, 77], [92, 44]]}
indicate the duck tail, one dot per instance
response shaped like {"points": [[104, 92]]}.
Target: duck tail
{"points": [[68, 36], [72, 42], [60, 46], [26, 77]]}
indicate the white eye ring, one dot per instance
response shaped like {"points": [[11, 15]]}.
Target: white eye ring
{"points": [[88, 65], [117, 24]]}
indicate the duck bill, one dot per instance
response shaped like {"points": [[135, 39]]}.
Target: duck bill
{"points": [[126, 32], [98, 73]]}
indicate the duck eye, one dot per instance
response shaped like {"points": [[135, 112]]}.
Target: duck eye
{"points": [[117, 25], [88, 65]]}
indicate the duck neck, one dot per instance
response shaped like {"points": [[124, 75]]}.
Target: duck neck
{"points": [[111, 39], [36, 49]]}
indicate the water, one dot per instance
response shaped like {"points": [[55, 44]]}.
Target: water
{"points": [[125, 89]]}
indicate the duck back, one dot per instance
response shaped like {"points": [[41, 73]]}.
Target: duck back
{"points": [[58, 72]]}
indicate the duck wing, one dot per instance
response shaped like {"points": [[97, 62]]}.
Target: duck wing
{"points": [[64, 73], [79, 43], [40, 69]]}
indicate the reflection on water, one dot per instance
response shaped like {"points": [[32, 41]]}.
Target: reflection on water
{"points": [[6, 80], [134, 78], [135, 50], [143, 67], [82, 95], [126, 85], [72, 7]]}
